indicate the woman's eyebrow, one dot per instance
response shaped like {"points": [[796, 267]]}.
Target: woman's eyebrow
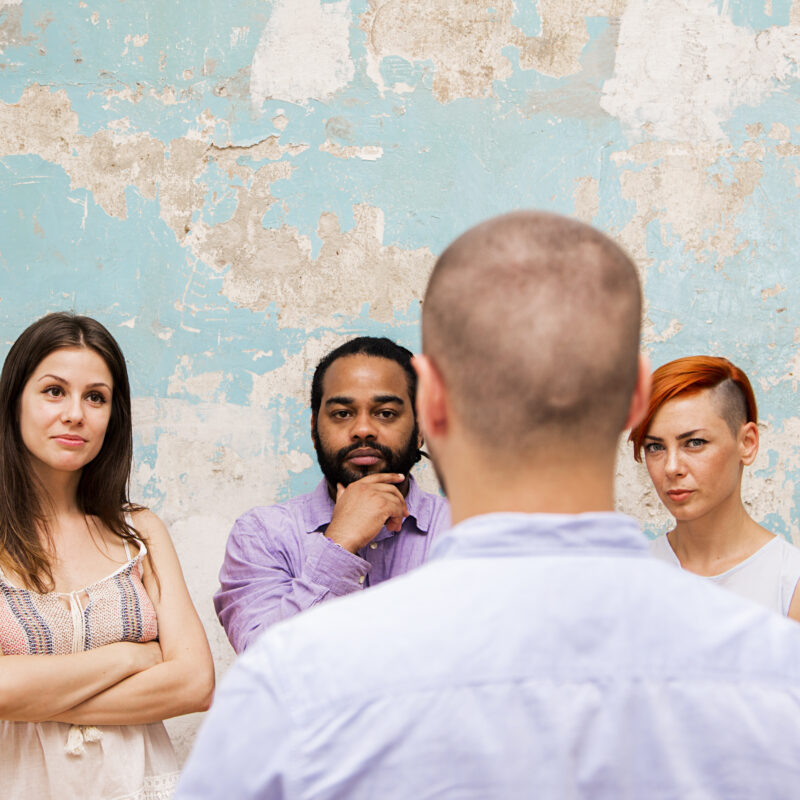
{"points": [[58, 378]]}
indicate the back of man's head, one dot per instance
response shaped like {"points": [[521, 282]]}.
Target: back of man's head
{"points": [[532, 320]]}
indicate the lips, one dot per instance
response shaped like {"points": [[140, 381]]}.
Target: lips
{"points": [[679, 495], [69, 440], [364, 457]]}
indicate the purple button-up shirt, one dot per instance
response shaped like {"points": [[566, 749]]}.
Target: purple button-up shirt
{"points": [[278, 561]]}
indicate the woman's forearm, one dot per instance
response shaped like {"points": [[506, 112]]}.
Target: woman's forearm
{"points": [[165, 690], [39, 687]]}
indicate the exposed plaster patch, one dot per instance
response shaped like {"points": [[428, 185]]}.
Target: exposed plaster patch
{"points": [[792, 374], [671, 330], [280, 122], [204, 386], [368, 152], [766, 294], [108, 162], [138, 40], [303, 53], [292, 379], [465, 40], [200, 445], [683, 66], [780, 132], [266, 149], [587, 199], [663, 175], [270, 266], [11, 26], [239, 36]]}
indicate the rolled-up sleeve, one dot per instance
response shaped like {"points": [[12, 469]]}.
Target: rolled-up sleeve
{"points": [[272, 570]]}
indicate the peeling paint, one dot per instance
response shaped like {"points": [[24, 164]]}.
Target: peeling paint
{"points": [[366, 153], [465, 40], [699, 65], [303, 53], [266, 264], [659, 176]]}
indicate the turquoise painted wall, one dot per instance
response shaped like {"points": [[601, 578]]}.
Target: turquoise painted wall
{"points": [[235, 187]]}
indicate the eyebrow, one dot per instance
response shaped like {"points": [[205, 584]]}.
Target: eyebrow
{"points": [[66, 382], [679, 437], [343, 400]]}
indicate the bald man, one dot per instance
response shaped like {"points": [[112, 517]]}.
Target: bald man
{"points": [[541, 652]]}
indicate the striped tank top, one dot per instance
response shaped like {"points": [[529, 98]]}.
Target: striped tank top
{"points": [[114, 609], [59, 761]]}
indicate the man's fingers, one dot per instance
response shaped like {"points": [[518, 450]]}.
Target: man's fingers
{"points": [[339, 490], [381, 477]]}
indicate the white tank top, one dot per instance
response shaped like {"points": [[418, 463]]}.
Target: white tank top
{"points": [[768, 577]]}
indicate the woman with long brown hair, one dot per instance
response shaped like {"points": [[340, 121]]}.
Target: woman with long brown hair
{"points": [[699, 434], [88, 579]]}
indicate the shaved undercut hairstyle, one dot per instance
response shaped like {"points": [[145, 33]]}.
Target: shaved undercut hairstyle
{"points": [[533, 321], [732, 393]]}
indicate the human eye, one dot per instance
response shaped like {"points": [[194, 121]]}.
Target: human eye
{"points": [[695, 442], [53, 391], [96, 397], [653, 447], [340, 413], [386, 413]]}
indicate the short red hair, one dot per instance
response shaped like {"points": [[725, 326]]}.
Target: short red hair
{"points": [[687, 376]]}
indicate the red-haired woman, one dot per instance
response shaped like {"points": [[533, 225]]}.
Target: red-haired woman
{"points": [[699, 433]]}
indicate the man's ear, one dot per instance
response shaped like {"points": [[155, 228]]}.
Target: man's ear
{"points": [[431, 398], [641, 393]]}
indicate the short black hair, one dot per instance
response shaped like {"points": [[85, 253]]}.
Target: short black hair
{"points": [[377, 346]]}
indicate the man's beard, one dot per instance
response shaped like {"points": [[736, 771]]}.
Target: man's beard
{"points": [[335, 472]]}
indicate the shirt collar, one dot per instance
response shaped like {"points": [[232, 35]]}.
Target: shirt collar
{"points": [[513, 534], [319, 509]]}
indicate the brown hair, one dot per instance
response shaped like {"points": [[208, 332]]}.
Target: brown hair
{"points": [[103, 487], [692, 374]]}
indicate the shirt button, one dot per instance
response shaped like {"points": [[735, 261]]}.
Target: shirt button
{"points": [[361, 579], [373, 545]]}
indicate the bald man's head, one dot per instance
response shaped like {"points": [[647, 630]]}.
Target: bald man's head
{"points": [[533, 322]]}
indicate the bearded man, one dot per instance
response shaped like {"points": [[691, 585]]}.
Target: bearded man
{"points": [[366, 521]]}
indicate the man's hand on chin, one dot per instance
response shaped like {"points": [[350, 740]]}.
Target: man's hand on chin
{"points": [[364, 507]]}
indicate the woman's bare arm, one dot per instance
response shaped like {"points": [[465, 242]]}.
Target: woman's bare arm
{"points": [[38, 687], [184, 680]]}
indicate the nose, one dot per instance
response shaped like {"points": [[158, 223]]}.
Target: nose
{"points": [[72, 410], [674, 466], [363, 426]]}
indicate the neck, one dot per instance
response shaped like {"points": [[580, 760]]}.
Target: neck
{"points": [[60, 490], [726, 530], [541, 486]]}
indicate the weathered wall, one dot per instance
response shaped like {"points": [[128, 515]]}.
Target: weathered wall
{"points": [[234, 187]]}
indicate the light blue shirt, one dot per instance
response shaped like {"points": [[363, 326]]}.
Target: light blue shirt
{"points": [[535, 656]]}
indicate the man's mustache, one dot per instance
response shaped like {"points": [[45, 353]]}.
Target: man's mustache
{"points": [[385, 451]]}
